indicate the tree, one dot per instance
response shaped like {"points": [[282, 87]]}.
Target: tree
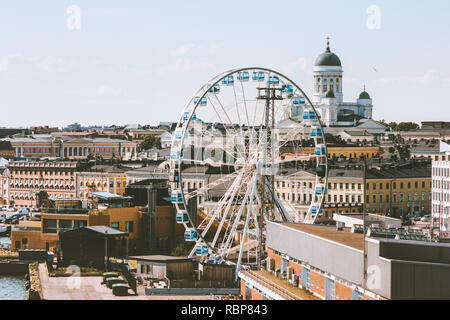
{"points": [[406, 126], [150, 142], [182, 248]]}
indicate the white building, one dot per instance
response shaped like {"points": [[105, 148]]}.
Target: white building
{"points": [[440, 203], [328, 95]]}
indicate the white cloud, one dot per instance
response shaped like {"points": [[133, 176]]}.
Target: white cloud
{"points": [[183, 50], [184, 65], [426, 78], [4, 64], [54, 64], [298, 65], [213, 47]]}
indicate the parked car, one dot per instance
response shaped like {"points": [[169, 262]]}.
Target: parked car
{"points": [[426, 218]]}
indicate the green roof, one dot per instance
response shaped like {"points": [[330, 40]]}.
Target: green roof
{"points": [[328, 58], [364, 95]]}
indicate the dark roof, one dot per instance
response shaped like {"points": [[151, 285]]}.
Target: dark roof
{"points": [[161, 258], [98, 230], [5, 145], [328, 58], [410, 172], [364, 95]]}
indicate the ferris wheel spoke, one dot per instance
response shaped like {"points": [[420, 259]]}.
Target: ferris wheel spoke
{"points": [[247, 219], [217, 210], [224, 124], [213, 184]]}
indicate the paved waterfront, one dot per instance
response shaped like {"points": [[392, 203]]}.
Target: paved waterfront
{"points": [[90, 288]]}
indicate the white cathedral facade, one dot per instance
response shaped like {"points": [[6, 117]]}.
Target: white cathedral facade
{"points": [[328, 94]]}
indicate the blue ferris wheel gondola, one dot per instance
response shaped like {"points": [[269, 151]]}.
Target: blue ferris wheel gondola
{"points": [[274, 80], [316, 132], [309, 115], [243, 76], [298, 100], [203, 102], [288, 89], [228, 81], [201, 250], [258, 76], [214, 89]]}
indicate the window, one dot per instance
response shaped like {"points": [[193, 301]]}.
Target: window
{"points": [[381, 186], [49, 225], [65, 224], [79, 224], [394, 197], [374, 198], [129, 225], [401, 185], [394, 185], [115, 225]]}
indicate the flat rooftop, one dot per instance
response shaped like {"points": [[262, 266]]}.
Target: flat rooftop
{"points": [[345, 237], [161, 258]]}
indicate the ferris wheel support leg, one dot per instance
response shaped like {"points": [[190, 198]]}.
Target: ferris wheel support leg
{"points": [[247, 219]]}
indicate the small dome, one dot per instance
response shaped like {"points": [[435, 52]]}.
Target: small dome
{"points": [[364, 95]]}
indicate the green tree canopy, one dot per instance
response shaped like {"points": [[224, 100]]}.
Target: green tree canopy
{"points": [[150, 142]]}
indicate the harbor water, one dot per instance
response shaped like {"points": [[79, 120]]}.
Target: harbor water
{"points": [[12, 287]]}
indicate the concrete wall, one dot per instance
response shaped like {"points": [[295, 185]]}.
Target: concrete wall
{"points": [[415, 280], [342, 261]]}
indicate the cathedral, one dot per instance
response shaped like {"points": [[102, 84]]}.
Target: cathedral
{"points": [[328, 94]]}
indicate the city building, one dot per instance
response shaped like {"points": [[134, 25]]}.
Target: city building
{"points": [[398, 191], [62, 215], [53, 146], [356, 136], [330, 264], [104, 178], [440, 202], [28, 178]]}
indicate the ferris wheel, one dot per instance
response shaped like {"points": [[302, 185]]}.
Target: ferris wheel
{"points": [[239, 140]]}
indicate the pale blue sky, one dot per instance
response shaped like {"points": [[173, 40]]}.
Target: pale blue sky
{"points": [[140, 61]]}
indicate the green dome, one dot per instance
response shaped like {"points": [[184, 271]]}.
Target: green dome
{"points": [[328, 58], [364, 95]]}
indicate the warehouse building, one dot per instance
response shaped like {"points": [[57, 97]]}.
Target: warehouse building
{"points": [[329, 264]]}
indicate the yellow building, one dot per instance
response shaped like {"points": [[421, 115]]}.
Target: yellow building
{"points": [[44, 234], [47, 146], [100, 179], [347, 152], [344, 193], [398, 191]]}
